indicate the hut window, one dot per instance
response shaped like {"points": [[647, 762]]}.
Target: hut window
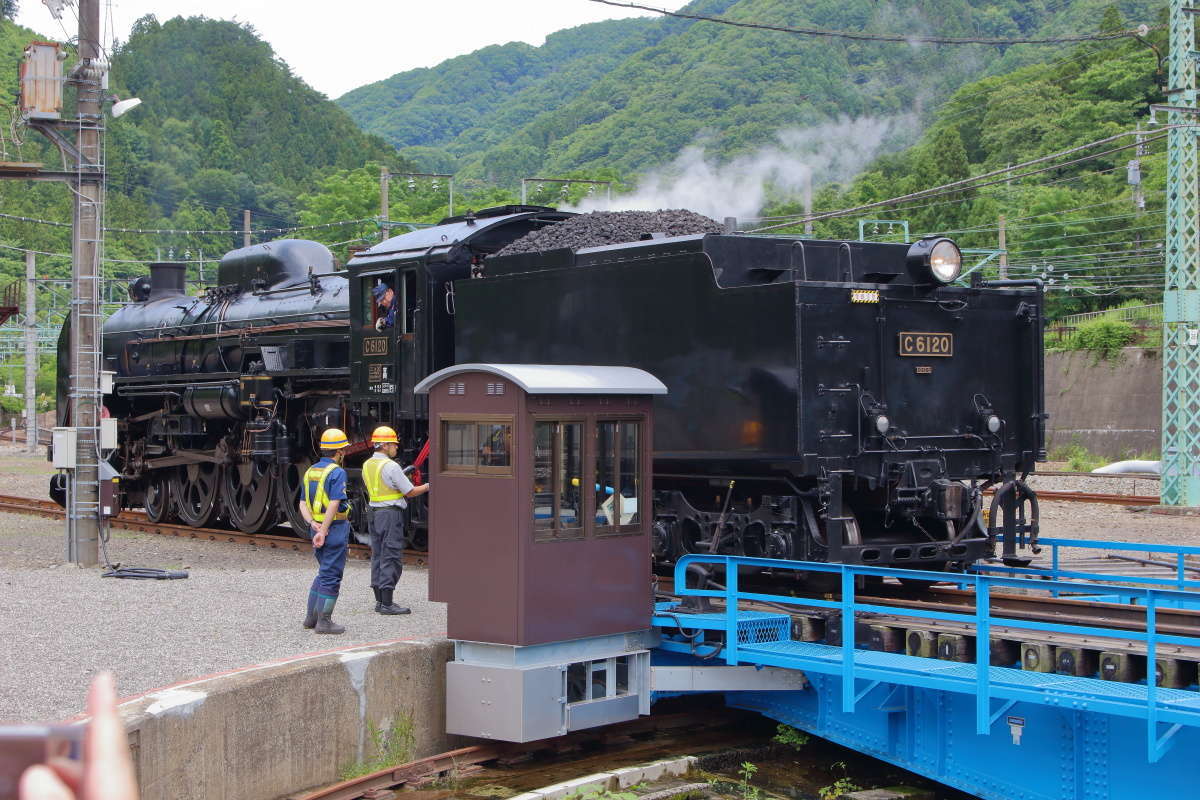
{"points": [[557, 480], [479, 447], [618, 478]]}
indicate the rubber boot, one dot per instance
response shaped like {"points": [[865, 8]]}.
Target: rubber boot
{"points": [[325, 623], [310, 619], [378, 597], [386, 606]]}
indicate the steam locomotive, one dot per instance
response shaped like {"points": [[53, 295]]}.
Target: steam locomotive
{"points": [[828, 400]]}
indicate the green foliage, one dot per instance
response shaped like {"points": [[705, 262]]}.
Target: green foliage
{"points": [[1078, 457], [390, 748], [9, 8], [630, 94], [1104, 337], [838, 788], [601, 793], [793, 738], [746, 772], [224, 126]]}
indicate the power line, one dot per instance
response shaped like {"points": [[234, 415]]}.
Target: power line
{"points": [[165, 231], [906, 38]]}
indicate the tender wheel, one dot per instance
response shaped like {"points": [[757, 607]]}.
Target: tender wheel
{"points": [[660, 540], [157, 501], [249, 494], [780, 544], [288, 493], [688, 535], [196, 489]]}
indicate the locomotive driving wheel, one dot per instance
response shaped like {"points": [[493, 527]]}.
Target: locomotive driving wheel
{"points": [[196, 489], [248, 491], [157, 501], [287, 494]]}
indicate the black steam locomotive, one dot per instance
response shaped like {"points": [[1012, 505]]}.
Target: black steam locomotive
{"points": [[829, 400]]}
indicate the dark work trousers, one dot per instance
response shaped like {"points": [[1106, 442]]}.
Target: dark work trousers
{"points": [[331, 559], [386, 525]]}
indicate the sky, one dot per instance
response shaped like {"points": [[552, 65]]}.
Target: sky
{"points": [[338, 46]]}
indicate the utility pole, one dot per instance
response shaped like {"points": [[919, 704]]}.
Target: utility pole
{"points": [[31, 352], [246, 228], [1180, 484], [1003, 247], [385, 178], [83, 492]]}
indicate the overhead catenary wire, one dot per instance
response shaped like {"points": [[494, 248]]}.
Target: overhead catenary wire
{"points": [[187, 232], [907, 38]]}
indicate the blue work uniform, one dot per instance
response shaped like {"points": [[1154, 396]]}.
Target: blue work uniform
{"points": [[331, 557]]}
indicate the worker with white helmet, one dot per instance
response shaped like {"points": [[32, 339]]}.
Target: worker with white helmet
{"points": [[387, 488]]}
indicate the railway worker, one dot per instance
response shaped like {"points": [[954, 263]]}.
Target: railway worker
{"points": [[387, 488], [385, 301], [326, 509]]}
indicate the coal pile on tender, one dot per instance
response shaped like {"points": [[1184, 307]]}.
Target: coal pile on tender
{"points": [[599, 228]]}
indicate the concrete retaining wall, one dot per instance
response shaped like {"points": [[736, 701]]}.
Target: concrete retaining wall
{"points": [[1113, 408], [268, 731]]}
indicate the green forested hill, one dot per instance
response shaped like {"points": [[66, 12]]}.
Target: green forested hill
{"points": [[1074, 221], [223, 126], [630, 95]]}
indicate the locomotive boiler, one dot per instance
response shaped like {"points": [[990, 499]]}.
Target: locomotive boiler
{"points": [[828, 400]]}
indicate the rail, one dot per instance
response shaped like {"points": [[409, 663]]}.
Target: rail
{"points": [[1176, 708]]}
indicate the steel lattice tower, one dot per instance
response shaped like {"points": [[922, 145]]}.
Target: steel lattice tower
{"points": [[1181, 295]]}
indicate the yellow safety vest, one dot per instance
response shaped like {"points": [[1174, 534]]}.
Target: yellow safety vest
{"points": [[319, 503], [372, 475]]}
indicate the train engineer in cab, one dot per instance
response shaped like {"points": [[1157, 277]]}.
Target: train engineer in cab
{"points": [[326, 509], [387, 488]]}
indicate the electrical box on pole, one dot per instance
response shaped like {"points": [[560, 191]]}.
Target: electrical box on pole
{"points": [[40, 79], [1181, 296]]}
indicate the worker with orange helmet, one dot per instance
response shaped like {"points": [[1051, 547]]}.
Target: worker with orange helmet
{"points": [[325, 507], [387, 488]]}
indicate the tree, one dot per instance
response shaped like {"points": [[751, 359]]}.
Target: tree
{"points": [[9, 8]]}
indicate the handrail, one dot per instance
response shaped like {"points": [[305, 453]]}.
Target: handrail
{"points": [[1180, 552], [1126, 314], [982, 616]]}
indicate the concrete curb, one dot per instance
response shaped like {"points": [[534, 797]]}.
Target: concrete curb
{"points": [[273, 729], [614, 780]]}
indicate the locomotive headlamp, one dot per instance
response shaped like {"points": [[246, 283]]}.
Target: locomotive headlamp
{"points": [[934, 260], [993, 423]]}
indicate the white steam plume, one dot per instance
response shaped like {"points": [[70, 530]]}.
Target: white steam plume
{"points": [[835, 150]]}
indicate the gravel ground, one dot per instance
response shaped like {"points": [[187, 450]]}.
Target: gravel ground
{"points": [[241, 605]]}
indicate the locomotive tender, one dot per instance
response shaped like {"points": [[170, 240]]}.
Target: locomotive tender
{"points": [[828, 400]]}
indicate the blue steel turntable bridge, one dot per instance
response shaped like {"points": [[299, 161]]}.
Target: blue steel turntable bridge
{"points": [[956, 693]]}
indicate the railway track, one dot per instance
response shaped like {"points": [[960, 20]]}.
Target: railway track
{"points": [[650, 735], [1058, 473], [137, 521], [1092, 497]]}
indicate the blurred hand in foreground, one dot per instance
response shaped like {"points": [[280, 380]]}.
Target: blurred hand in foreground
{"points": [[107, 771]]}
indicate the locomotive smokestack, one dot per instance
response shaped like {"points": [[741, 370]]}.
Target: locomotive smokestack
{"points": [[167, 279]]}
